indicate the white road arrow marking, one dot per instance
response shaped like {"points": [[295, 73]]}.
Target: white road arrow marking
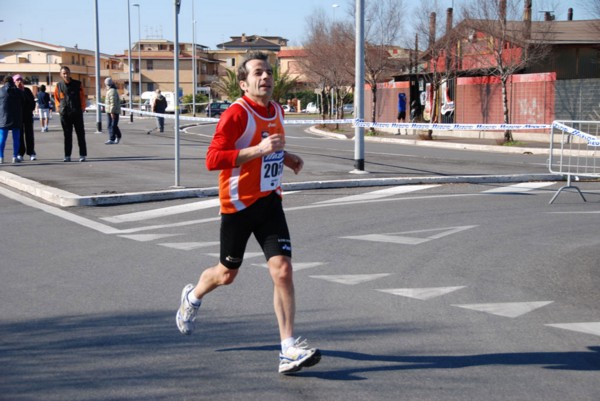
{"points": [[584, 327], [506, 309], [352, 279], [402, 238], [422, 293]]}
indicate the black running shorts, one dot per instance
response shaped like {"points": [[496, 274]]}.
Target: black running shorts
{"points": [[266, 220]]}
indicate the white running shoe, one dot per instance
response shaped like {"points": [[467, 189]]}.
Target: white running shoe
{"points": [[186, 314], [297, 357]]}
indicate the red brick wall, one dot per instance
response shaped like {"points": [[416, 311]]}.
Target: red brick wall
{"points": [[530, 99], [387, 101]]}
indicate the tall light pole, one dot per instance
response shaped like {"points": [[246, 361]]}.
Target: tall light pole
{"points": [[194, 67], [177, 4], [98, 116], [334, 7], [359, 85], [129, 58], [139, 54]]}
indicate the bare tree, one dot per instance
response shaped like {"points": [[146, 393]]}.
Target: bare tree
{"points": [[440, 56], [328, 58], [501, 44]]}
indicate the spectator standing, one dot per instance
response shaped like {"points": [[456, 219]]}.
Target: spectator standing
{"points": [[70, 97], [113, 109], [159, 105], [27, 140], [43, 104], [249, 140], [401, 118], [11, 116]]}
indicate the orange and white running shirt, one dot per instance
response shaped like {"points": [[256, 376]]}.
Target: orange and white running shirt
{"points": [[242, 125]]}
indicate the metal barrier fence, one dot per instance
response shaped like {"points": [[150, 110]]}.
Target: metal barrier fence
{"points": [[574, 152]]}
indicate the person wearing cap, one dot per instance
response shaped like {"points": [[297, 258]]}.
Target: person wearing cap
{"points": [[70, 97], [27, 140], [113, 108], [11, 116]]}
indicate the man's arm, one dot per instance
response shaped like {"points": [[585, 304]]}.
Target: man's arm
{"points": [[82, 98]]}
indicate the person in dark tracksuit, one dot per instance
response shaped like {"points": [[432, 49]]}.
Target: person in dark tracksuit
{"points": [[70, 97], [27, 144]]}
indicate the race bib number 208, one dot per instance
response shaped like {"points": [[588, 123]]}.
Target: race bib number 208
{"points": [[272, 171]]}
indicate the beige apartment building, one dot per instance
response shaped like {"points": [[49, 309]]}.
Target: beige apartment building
{"points": [[152, 63], [39, 63]]}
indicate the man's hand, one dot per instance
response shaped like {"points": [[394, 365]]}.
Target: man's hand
{"points": [[294, 162], [270, 144]]}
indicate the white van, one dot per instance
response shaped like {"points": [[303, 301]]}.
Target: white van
{"points": [[148, 97]]}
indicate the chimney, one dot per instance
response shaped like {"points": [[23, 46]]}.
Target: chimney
{"points": [[570, 15], [527, 19], [243, 38], [548, 16], [431, 29], [448, 20]]}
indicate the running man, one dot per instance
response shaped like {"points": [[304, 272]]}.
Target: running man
{"points": [[248, 148]]}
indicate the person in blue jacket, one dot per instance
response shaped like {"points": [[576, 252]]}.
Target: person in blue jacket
{"points": [[11, 117]]}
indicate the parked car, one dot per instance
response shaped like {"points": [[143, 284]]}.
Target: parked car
{"points": [[288, 108], [311, 108], [215, 109], [348, 109]]}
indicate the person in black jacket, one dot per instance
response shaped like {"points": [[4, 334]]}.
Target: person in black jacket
{"points": [[70, 97], [11, 116], [27, 140]]}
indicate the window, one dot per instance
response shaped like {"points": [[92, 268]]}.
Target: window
{"points": [[35, 80], [149, 64]]}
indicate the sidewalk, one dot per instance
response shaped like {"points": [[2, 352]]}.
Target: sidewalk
{"points": [[142, 167]]}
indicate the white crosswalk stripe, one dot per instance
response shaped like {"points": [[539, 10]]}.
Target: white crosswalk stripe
{"points": [[519, 188], [381, 193]]}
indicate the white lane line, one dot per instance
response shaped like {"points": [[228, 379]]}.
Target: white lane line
{"points": [[296, 265], [165, 211], [519, 188], [60, 213], [169, 211], [422, 293], [506, 309], [247, 255], [583, 327], [188, 246], [382, 193], [351, 279], [147, 237]]}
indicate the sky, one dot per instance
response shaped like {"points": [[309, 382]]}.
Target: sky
{"points": [[72, 22]]}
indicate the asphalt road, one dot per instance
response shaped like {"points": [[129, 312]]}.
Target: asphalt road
{"points": [[449, 292]]}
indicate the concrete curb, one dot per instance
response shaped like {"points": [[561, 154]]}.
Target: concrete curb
{"points": [[66, 199]]}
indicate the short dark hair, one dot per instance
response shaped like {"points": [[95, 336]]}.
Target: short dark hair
{"points": [[64, 67], [243, 71], [42, 87], [8, 79]]}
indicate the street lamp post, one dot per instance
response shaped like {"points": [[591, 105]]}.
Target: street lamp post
{"points": [[334, 7], [194, 67], [359, 82], [129, 59], [177, 4], [98, 116], [139, 54]]}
